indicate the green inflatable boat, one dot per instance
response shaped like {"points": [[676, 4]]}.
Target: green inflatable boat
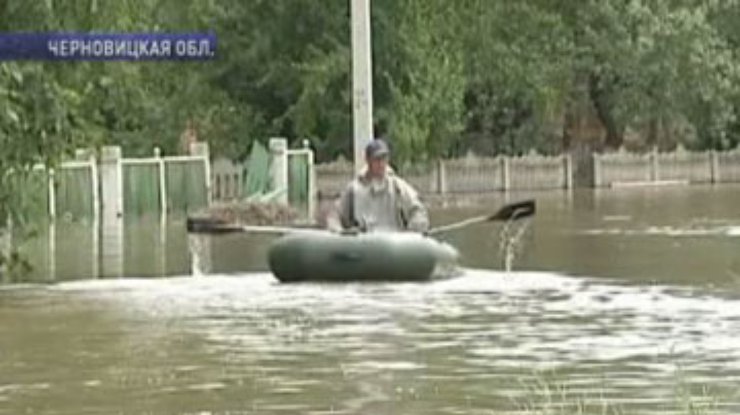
{"points": [[311, 254], [378, 256]]}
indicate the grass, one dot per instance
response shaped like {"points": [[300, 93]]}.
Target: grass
{"points": [[542, 395]]}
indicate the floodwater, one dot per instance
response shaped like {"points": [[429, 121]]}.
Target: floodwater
{"points": [[620, 301]]}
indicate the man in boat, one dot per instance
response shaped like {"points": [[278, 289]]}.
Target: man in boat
{"points": [[377, 199]]}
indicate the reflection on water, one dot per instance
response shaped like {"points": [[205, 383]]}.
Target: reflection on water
{"points": [[146, 247], [624, 299]]}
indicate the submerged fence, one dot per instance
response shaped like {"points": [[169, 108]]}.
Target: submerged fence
{"points": [[279, 174], [87, 186], [91, 185], [84, 188], [164, 184], [70, 191]]}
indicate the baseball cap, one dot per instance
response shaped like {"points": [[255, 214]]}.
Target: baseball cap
{"points": [[377, 148]]}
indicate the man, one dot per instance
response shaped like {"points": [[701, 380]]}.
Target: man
{"points": [[378, 200]]}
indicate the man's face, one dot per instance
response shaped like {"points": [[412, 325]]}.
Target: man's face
{"points": [[376, 166]]}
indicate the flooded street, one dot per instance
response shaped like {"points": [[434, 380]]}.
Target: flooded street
{"points": [[621, 301]]}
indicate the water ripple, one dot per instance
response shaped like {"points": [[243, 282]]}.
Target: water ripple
{"points": [[487, 340]]}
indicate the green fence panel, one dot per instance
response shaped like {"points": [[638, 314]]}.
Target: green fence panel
{"points": [[141, 189], [186, 186], [74, 193], [298, 180], [258, 174]]}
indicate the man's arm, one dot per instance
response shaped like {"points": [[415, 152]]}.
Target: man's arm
{"points": [[341, 217], [415, 212]]}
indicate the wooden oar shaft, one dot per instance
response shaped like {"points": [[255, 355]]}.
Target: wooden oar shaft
{"points": [[274, 229], [508, 212], [216, 227], [461, 224]]}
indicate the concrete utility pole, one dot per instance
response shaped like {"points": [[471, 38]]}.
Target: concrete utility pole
{"points": [[362, 80]]}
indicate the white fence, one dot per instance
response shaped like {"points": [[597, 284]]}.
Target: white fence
{"points": [[538, 172], [468, 174], [680, 166]]}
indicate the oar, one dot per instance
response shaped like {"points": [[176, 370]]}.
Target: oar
{"points": [[509, 212], [208, 225], [512, 211]]}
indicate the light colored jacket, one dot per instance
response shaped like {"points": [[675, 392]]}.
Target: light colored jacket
{"points": [[390, 204]]}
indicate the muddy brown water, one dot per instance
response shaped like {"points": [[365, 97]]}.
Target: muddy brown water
{"points": [[627, 300]]}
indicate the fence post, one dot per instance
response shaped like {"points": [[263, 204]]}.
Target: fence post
{"points": [[162, 181], [94, 180], [89, 155], [279, 168], [6, 243], [714, 166], [441, 177], [568, 164], [111, 236], [111, 178], [312, 196], [52, 195], [200, 149], [505, 174], [654, 167]]}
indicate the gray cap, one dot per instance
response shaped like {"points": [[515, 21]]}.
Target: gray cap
{"points": [[376, 149]]}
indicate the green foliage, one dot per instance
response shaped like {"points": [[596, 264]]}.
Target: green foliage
{"points": [[518, 62], [660, 64], [420, 76], [494, 76]]}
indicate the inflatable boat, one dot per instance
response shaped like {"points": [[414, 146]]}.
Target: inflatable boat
{"points": [[312, 254], [377, 256]]}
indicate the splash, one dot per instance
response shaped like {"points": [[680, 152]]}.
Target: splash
{"points": [[510, 241], [199, 248]]}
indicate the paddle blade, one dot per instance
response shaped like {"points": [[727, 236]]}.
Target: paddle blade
{"points": [[514, 211]]}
